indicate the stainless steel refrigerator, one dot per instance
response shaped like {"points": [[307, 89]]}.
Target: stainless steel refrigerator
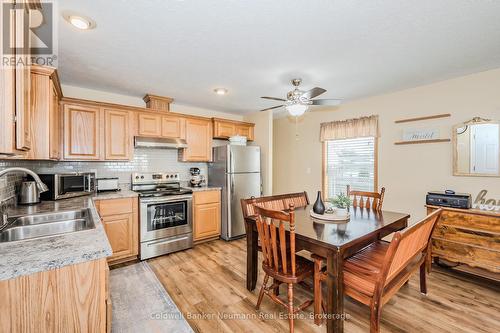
{"points": [[237, 170]]}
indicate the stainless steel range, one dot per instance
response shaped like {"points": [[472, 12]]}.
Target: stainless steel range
{"points": [[166, 222]]}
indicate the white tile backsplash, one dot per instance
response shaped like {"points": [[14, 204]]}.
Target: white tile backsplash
{"points": [[145, 160]]}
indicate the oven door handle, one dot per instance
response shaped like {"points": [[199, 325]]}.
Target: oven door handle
{"points": [[162, 242]]}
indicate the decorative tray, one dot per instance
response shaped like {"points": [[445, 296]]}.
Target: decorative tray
{"points": [[330, 216]]}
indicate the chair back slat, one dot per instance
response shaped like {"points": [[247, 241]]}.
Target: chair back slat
{"points": [[368, 200], [410, 243], [279, 252], [275, 202]]}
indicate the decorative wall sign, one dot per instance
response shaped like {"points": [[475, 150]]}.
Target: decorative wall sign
{"points": [[420, 134], [486, 204]]}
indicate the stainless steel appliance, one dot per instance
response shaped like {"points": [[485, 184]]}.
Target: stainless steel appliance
{"points": [[68, 185], [163, 143], [107, 184], [28, 193], [197, 179], [237, 170], [165, 213]]}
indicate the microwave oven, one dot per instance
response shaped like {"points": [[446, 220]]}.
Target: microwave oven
{"points": [[67, 185]]}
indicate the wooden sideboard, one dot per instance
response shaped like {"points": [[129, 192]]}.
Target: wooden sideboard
{"points": [[467, 236]]}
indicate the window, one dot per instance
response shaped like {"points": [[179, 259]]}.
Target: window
{"points": [[349, 162]]}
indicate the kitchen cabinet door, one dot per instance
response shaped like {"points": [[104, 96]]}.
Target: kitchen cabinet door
{"points": [[45, 115], [206, 221], [173, 127], [206, 214], [117, 135], [120, 218], [82, 132], [245, 130], [119, 231], [223, 130], [22, 80], [149, 124], [199, 141], [54, 124]]}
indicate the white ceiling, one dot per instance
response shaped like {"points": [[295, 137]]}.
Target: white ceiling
{"points": [[352, 48]]}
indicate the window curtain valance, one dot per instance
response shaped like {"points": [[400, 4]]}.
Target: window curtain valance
{"points": [[350, 128]]}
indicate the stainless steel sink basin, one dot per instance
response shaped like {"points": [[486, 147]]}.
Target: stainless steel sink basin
{"points": [[43, 225]]}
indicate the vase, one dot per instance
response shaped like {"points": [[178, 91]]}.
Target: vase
{"points": [[319, 206]]}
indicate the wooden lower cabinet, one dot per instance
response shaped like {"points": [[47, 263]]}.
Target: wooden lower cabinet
{"points": [[121, 222], [207, 215], [68, 299], [467, 236]]}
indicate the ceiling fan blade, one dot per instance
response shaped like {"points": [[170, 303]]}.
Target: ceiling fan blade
{"points": [[313, 92], [274, 107], [274, 98], [332, 102]]}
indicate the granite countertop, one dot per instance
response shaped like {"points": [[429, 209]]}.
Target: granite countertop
{"points": [[204, 188], [41, 254], [124, 193]]}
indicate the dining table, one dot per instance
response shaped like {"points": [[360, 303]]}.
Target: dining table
{"points": [[333, 240]]}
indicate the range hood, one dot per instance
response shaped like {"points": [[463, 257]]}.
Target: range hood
{"points": [[163, 143]]}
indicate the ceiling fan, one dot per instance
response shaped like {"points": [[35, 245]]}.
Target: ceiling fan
{"points": [[298, 101]]}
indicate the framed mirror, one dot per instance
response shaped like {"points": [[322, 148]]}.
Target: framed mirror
{"points": [[476, 150]]}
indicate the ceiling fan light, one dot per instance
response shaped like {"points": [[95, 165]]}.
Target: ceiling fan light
{"points": [[296, 110]]}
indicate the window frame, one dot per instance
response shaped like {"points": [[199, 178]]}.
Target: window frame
{"points": [[324, 178]]}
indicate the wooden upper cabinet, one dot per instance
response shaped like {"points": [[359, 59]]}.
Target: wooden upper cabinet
{"points": [[199, 140], [82, 132], [245, 130], [149, 124], [45, 114], [22, 78], [224, 129], [173, 127], [118, 139], [55, 122]]}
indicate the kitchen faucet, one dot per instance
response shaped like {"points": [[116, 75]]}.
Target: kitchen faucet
{"points": [[39, 184]]}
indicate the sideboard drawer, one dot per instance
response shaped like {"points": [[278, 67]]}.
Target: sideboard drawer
{"points": [[468, 254], [468, 236], [476, 221]]}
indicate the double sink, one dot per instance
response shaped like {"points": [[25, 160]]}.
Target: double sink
{"points": [[46, 224]]}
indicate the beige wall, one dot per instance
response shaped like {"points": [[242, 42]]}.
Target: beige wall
{"points": [[264, 138], [103, 96], [408, 171]]}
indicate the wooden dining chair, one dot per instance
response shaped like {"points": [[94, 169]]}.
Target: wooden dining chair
{"points": [[364, 199], [280, 261], [361, 199], [374, 274]]}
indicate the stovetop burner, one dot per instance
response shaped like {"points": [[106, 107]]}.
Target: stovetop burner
{"points": [[157, 184]]}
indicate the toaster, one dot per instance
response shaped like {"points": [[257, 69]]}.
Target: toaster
{"points": [[107, 184]]}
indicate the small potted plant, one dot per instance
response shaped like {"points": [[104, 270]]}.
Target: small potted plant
{"points": [[342, 202]]}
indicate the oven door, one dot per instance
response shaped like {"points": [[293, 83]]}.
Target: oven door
{"points": [[165, 216]]}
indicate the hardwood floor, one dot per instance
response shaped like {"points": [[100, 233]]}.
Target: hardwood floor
{"points": [[208, 285]]}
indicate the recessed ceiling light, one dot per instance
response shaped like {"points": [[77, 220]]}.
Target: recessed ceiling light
{"points": [[79, 22], [220, 91]]}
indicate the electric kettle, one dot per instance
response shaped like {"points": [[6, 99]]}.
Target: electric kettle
{"points": [[28, 193]]}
